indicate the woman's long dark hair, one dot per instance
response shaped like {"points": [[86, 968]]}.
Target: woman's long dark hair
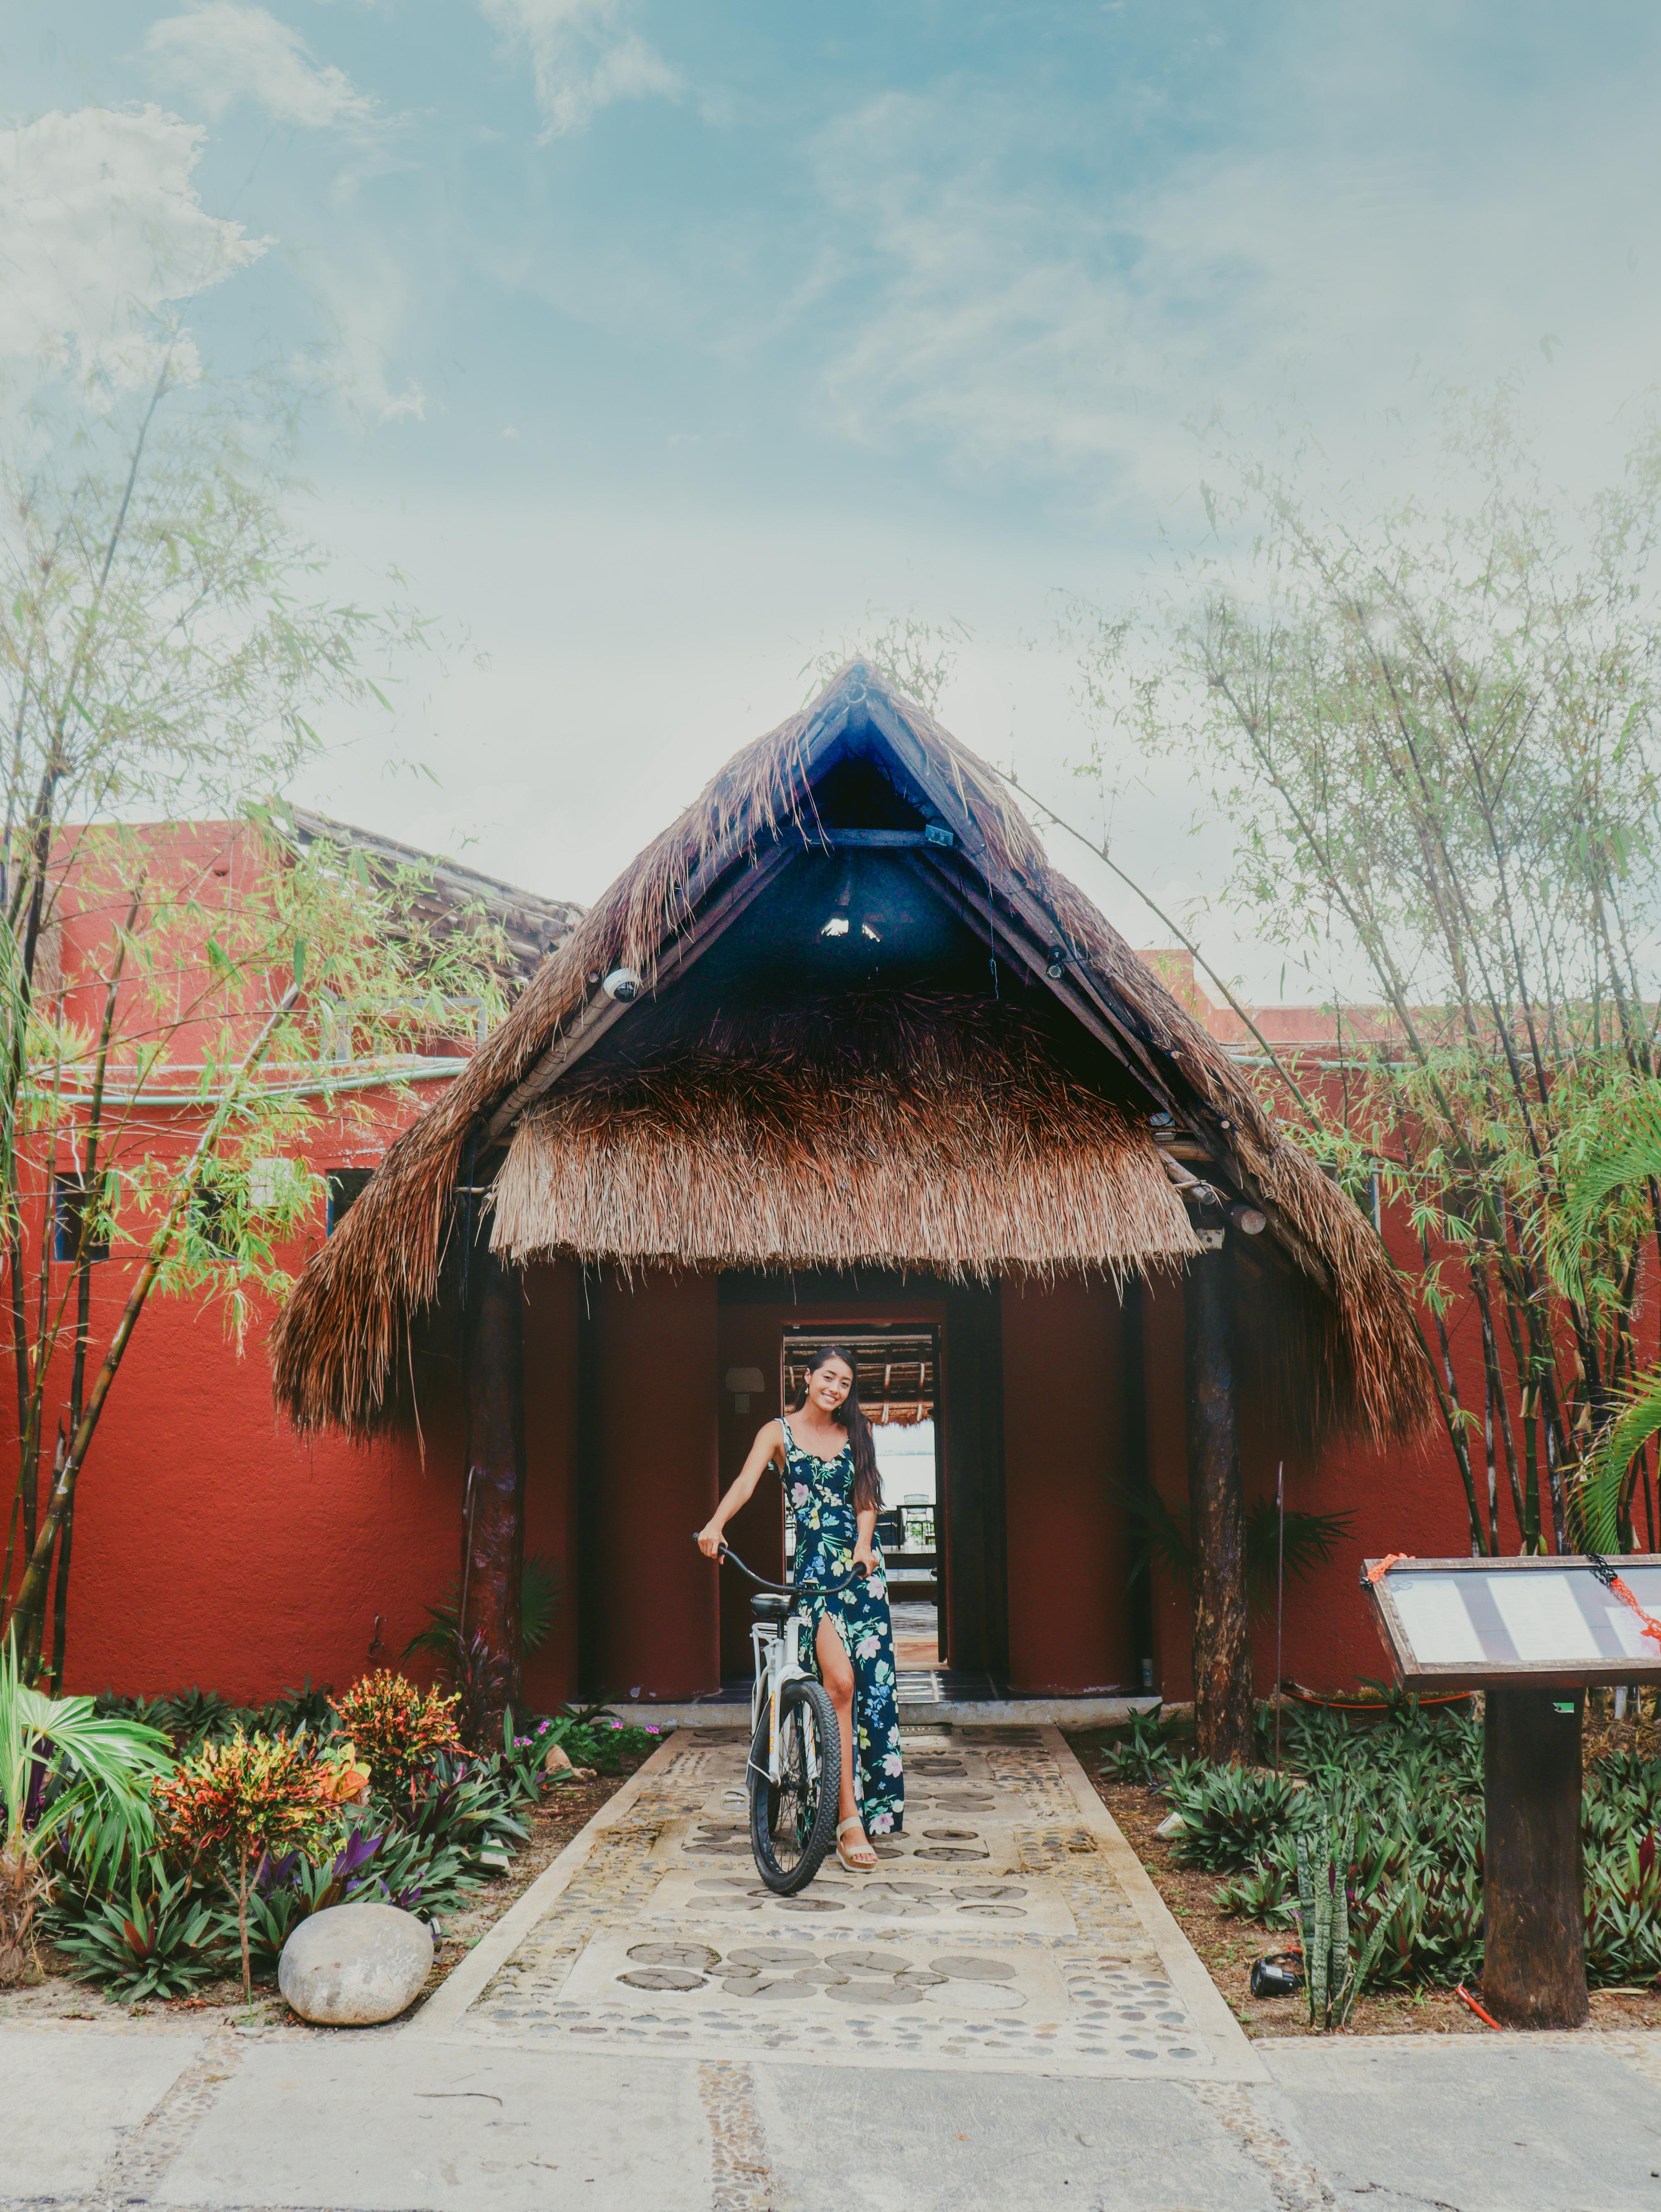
{"points": [[849, 1415]]}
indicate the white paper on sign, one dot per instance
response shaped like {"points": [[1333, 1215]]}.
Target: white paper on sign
{"points": [[1629, 1634], [1542, 1618], [1433, 1612]]}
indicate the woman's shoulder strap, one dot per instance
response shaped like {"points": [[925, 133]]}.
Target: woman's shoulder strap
{"points": [[789, 1440]]}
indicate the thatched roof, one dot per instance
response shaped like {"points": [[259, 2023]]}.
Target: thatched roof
{"points": [[447, 897], [940, 1130], [688, 1150]]}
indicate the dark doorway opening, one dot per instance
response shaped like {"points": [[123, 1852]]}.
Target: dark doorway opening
{"points": [[898, 1366]]}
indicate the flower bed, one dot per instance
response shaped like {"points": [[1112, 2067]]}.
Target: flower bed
{"points": [[235, 1825], [1392, 1809]]}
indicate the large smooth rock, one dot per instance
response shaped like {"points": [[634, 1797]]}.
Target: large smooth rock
{"points": [[354, 1963]]}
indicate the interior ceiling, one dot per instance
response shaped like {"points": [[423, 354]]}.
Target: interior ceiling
{"points": [[859, 920], [895, 1371]]}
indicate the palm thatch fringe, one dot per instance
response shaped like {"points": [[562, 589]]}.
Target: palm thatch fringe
{"points": [[927, 1131], [342, 1343]]}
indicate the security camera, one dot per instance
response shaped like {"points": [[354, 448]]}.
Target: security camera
{"points": [[623, 984]]}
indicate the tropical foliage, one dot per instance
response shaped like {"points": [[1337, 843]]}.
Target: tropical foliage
{"points": [[1367, 1843], [232, 1804], [404, 1731], [165, 642], [74, 1791], [1431, 729], [237, 1823]]}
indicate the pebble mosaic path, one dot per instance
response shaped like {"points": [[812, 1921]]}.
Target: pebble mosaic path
{"points": [[1009, 1929]]}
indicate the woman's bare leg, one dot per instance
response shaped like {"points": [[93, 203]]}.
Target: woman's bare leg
{"points": [[837, 1672]]}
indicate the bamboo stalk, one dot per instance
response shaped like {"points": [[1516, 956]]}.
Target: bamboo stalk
{"points": [[28, 1614]]}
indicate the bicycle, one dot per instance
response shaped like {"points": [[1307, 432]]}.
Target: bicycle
{"points": [[794, 1768]]}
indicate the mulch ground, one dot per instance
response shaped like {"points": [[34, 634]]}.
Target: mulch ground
{"points": [[59, 1996], [1228, 1946]]}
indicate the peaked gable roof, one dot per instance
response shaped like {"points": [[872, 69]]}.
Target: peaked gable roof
{"points": [[341, 1343]]}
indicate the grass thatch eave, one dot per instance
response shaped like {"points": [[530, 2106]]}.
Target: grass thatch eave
{"points": [[911, 1130]]}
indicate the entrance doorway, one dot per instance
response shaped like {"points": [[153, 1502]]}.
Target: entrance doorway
{"points": [[898, 1368]]}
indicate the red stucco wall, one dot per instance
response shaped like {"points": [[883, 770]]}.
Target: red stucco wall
{"points": [[655, 1606], [1064, 1448], [212, 1547]]}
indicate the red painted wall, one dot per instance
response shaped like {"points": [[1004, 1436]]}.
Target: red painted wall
{"points": [[1064, 1443], [654, 1383], [212, 1547]]}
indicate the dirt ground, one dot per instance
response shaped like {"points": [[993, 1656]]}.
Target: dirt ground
{"points": [[59, 1996], [1229, 1946]]}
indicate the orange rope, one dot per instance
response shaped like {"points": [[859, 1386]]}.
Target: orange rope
{"points": [[1381, 1567], [1460, 1991], [1617, 1587]]}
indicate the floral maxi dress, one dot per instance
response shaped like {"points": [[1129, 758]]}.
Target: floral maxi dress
{"points": [[821, 1495]]}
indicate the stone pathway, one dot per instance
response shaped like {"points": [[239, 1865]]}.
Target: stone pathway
{"points": [[1010, 1930]]}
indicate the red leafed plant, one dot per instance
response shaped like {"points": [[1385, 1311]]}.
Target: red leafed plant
{"points": [[398, 1730], [234, 1801]]}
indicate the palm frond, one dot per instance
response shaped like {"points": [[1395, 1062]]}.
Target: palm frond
{"points": [[73, 1771], [1310, 1539], [1630, 1158], [1598, 1499]]}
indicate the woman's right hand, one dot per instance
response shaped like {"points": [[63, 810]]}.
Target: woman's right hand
{"points": [[711, 1542]]}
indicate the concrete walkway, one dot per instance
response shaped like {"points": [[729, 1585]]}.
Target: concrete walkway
{"points": [[1002, 2016]]}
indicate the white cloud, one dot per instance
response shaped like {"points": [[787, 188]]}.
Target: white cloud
{"points": [[100, 233], [583, 58], [1025, 323], [367, 298], [222, 52]]}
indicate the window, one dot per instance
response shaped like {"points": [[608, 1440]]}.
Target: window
{"points": [[345, 1187], [71, 1204], [213, 1217]]}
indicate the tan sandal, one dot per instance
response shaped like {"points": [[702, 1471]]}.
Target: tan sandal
{"points": [[853, 1865]]}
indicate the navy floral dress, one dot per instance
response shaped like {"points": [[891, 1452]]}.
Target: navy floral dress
{"points": [[821, 1495]]}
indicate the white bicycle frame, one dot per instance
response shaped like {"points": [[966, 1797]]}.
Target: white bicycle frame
{"points": [[777, 1655]]}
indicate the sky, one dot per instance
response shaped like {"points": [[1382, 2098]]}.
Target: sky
{"points": [[666, 350]]}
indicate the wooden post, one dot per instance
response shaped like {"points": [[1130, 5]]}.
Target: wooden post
{"points": [[1534, 1969], [1216, 1507], [492, 1501]]}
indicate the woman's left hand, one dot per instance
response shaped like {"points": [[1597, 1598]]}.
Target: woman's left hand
{"points": [[862, 1557]]}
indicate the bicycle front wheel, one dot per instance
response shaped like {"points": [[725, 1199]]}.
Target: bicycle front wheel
{"points": [[792, 1821]]}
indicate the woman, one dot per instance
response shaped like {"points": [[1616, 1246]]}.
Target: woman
{"points": [[828, 1464]]}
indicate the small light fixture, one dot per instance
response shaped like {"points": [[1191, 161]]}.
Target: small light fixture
{"points": [[868, 928], [745, 1383], [837, 926], [1057, 967]]}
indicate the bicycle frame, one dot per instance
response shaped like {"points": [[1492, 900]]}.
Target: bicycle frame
{"points": [[776, 1650]]}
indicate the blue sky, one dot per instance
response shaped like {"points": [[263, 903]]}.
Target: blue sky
{"points": [[663, 343]]}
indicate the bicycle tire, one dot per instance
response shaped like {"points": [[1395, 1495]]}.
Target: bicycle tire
{"points": [[792, 1828]]}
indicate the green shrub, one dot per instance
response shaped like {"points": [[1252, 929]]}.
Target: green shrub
{"points": [[155, 1937], [1143, 1755], [465, 1805], [1231, 1815]]}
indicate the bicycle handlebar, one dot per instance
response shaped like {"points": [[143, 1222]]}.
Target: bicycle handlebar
{"points": [[789, 1590]]}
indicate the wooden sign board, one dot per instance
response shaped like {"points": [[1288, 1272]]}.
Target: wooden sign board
{"points": [[1550, 1623]]}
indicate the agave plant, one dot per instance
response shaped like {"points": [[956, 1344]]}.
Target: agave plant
{"points": [[70, 1777]]}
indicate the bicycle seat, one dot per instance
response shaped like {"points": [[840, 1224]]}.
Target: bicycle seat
{"points": [[765, 1607]]}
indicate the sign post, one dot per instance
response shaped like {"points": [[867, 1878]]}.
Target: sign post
{"points": [[1532, 1634]]}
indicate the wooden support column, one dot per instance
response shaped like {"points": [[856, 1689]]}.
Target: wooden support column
{"points": [[1534, 1958], [1216, 1500], [493, 1500]]}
